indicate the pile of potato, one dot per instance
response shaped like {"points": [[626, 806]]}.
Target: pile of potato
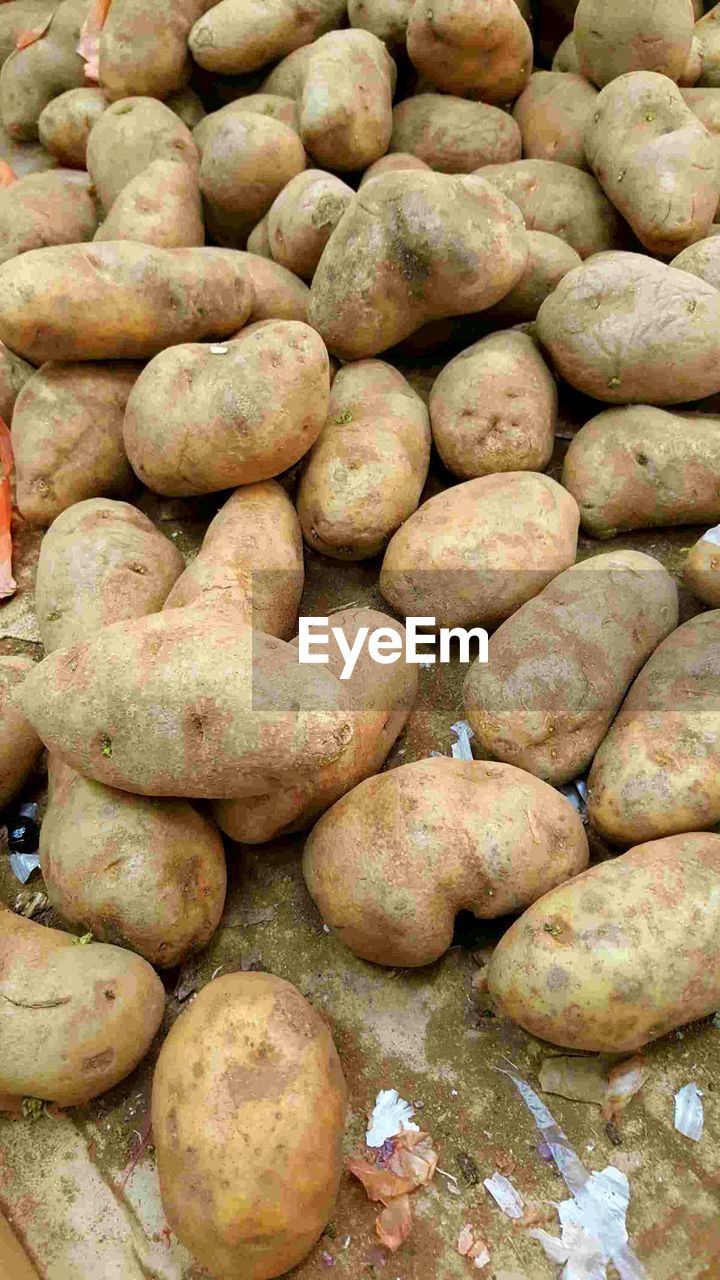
{"points": [[245, 231]]}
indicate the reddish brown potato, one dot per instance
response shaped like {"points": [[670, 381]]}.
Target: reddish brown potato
{"points": [[55, 207], [475, 51], [393, 162], [302, 218], [160, 206], [552, 113], [128, 137], [453, 135], [247, 159], [144, 50]]}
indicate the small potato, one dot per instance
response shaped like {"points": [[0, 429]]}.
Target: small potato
{"points": [[49, 208], [67, 437], [272, 105], [599, 329], [247, 159], [566, 57], [14, 373], [279, 295], [252, 558], [613, 37], [302, 218], [19, 744], [141, 872], [552, 113], [33, 76], [702, 568], [701, 259], [234, 39], [707, 32], [249, 1046], [393, 162], [481, 51], [561, 200], [549, 259], [494, 408], [128, 136], [622, 954], [74, 1020], [640, 468], [476, 552], [387, 19], [242, 415], [368, 467], [434, 838], [64, 126], [159, 206], [658, 770], [453, 135], [100, 561], [559, 668], [144, 48], [187, 105]]}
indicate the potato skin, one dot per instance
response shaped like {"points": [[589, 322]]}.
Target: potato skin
{"points": [[702, 570], [14, 373], [130, 135], [393, 162], [585, 968], [145, 50], [367, 469], [613, 37], [273, 1065], [552, 112], [387, 19], [708, 35], [274, 105], [457, 560], [33, 76], [549, 259], [640, 467], [483, 52], [49, 208], [437, 836], [559, 668], [566, 57], [67, 436], [20, 746], [247, 159], [453, 135], [65, 124], [561, 200], [74, 1021], [279, 294], [701, 259], [234, 41], [595, 328], [302, 218], [159, 206]]}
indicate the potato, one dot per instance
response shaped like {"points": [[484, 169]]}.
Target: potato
{"points": [[566, 57], [600, 331], [657, 771], [475, 51], [559, 668], [387, 19], [245, 413], [368, 467], [54, 207], [694, 64], [145, 873], [258, 241], [437, 836], [14, 373], [65, 123], [476, 552], [234, 40], [143, 300], [128, 136], [144, 48], [702, 568], [187, 105], [21, 16], [33, 76], [613, 37], [100, 561], [560, 200], [705, 104], [240, 715], [74, 1020], [707, 32], [19, 743], [273, 105], [249, 1046], [160, 206], [251, 557], [552, 113], [641, 467], [279, 295], [247, 159], [701, 259], [494, 408], [393, 162], [620, 955], [67, 437], [302, 218], [381, 698], [549, 259], [452, 135], [414, 247]]}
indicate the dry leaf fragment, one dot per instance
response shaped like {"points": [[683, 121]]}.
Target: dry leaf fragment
{"points": [[624, 1081], [380, 1184], [394, 1223], [89, 43]]}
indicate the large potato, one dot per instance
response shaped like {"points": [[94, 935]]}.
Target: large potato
{"points": [[476, 552], [368, 467], [119, 300], [494, 408], [453, 135], [302, 218], [199, 420], [549, 259], [392, 863], [249, 1046], [559, 199], [74, 1020], [413, 247], [67, 437], [54, 207], [613, 37], [247, 159], [273, 105], [640, 467], [100, 561], [129, 136], [482, 51], [65, 124], [31, 77], [14, 373], [559, 668], [600, 327], [144, 48], [552, 113], [160, 206], [702, 568], [20, 746], [620, 955], [233, 39]]}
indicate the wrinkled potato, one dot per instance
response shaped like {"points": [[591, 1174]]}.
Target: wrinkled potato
{"points": [[19, 744], [53, 207], [232, 39], [119, 300], [247, 159], [74, 1020], [393, 162], [494, 408], [413, 247], [641, 467], [245, 413], [702, 568], [552, 113], [144, 49], [549, 259], [561, 200], [658, 770], [476, 552], [707, 32], [127, 137], [159, 206], [368, 467], [100, 561], [141, 872], [437, 837], [249, 1045], [453, 135], [273, 105], [701, 259], [559, 668], [475, 51], [596, 328], [67, 437], [14, 373], [302, 218], [251, 557], [279, 295], [64, 125], [387, 19], [33, 76], [586, 967], [613, 37]]}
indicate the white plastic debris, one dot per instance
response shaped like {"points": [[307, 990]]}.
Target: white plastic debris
{"points": [[580, 1253], [461, 750], [712, 535], [217, 349], [23, 865], [391, 1113], [505, 1196], [689, 1116], [716, 1019]]}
